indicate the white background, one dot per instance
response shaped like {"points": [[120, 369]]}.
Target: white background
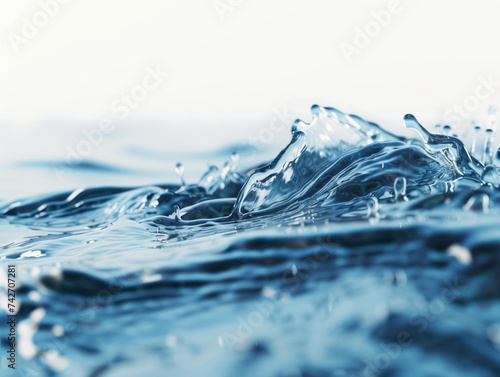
{"points": [[229, 76]]}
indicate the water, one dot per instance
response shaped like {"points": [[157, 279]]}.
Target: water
{"points": [[355, 252]]}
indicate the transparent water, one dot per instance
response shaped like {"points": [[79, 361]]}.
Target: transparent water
{"points": [[354, 252]]}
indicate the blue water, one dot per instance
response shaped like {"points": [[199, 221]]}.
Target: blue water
{"points": [[354, 252]]}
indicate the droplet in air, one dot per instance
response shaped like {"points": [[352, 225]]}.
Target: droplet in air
{"points": [[491, 126], [474, 138], [179, 169], [491, 120], [488, 147], [447, 129]]}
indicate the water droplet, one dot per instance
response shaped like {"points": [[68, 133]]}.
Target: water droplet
{"points": [[179, 169], [474, 138], [447, 129], [488, 148], [491, 120]]}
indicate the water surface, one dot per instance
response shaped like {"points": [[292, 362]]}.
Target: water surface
{"points": [[354, 252]]}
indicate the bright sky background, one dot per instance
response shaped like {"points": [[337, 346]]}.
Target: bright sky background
{"points": [[228, 77]]}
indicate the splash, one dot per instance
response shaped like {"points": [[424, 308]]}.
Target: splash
{"points": [[351, 232]]}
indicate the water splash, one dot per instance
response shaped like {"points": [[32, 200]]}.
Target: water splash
{"points": [[351, 232]]}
